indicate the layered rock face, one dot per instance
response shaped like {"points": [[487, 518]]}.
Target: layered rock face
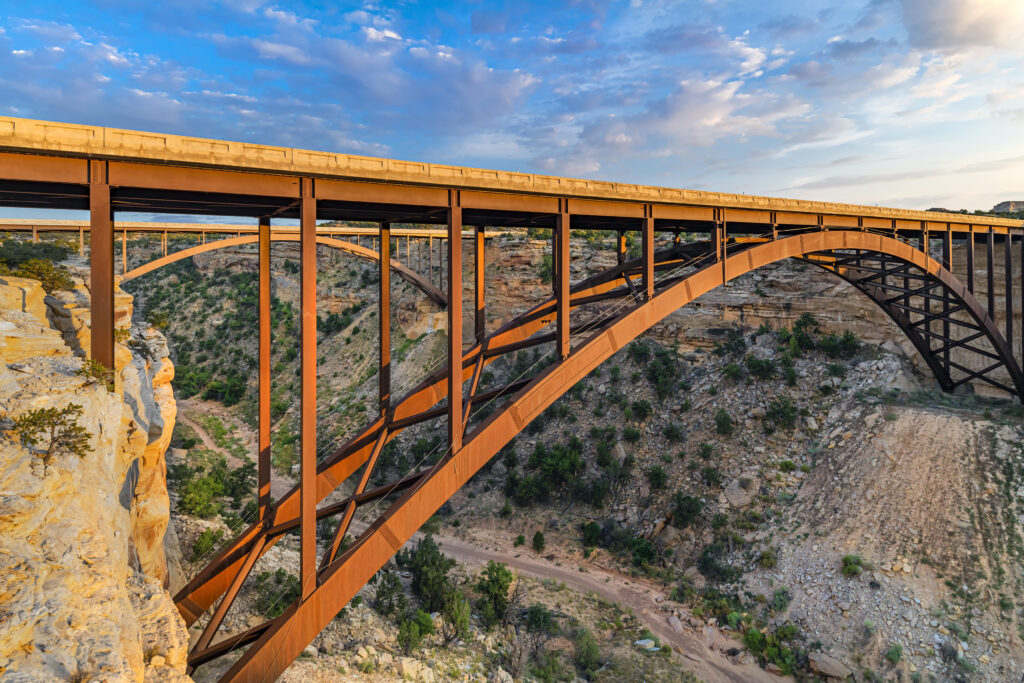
{"points": [[82, 566]]}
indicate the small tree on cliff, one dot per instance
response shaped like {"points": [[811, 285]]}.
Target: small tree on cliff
{"points": [[56, 429]]}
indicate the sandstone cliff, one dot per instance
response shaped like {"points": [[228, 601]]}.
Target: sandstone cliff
{"points": [[82, 566]]}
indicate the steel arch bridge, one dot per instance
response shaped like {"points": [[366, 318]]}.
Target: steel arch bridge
{"points": [[906, 262]]}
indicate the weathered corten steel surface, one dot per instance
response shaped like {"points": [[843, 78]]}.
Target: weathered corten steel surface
{"points": [[885, 253], [113, 143]]}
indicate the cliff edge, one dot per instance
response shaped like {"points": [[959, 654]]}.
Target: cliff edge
{"points": [[82, 564]]}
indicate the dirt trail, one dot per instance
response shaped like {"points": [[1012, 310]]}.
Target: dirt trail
{"points": [[279, 484], [706, 663]]}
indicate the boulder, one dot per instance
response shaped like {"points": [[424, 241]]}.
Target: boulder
{"points": [[829, 666], [741, 490]]}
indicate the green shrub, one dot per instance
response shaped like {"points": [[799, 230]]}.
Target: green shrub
{"points": [[641, 409], [50, 276], [96, 372], [538, 542], [520, 540], [55, 428], [686, 510], [591, 534], [429, 568], [657, 477], [895, 653], [705, 450], [493, 585], [587, 653], [390, 600], [732, 372], [275, 592], [723, 422], [205, 542], [760, 368], [413, 630], [673, 433], [781, 599], [456, 615], [780, 414], [852, 565], [630, 434], [712, 476]]}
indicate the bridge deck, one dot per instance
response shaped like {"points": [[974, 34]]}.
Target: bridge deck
{"points": [[245, 179]]}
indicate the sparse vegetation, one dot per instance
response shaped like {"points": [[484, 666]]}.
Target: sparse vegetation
{"points": [[56, 430]]}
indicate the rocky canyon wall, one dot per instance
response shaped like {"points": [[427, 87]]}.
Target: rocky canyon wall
{"points": [[82, 566]]}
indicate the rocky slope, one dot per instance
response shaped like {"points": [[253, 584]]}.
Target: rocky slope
{"points": [[82, 566]]}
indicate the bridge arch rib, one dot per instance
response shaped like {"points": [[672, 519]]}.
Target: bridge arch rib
{"points": [[407, 274], [849, 254]]}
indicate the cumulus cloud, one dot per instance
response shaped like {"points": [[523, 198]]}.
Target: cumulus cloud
{"points": [[951, 25]]}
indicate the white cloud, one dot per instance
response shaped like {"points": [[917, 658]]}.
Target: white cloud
{"points": [[951, 25]]}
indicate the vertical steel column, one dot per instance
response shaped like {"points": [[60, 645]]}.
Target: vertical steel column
{"points": [[101, 265], [1008, 293], [307, 405], [81, 241], [454, 321], [263, 386], [947, 256], [924, 244], [1021, 281], [970, 259], [561, 266], [620, 247], [990, 255], [775, 225], [164, 242], [430, 259], [647, 234], [479, 286], [384, 316], [124, 251]]}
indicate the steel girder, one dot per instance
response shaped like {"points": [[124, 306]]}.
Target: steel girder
{"points": [[848, 254], [404, 272], [912, 310]]}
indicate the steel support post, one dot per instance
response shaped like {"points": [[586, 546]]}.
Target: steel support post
{"points": [[990, 261], [35, 235], [620, 248], [647, 235], [384, 318], [947, 255], [1008, 290], [455, 430], [1021, 281], [164, 242], [430, 260], [561, 262], [970, 259], [81, 242], [479, 290], [101, 264], [263, 387], [124, 252], [307, 405]]}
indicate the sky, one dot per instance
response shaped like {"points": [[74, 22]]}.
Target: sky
{"points": [[902, 103]]}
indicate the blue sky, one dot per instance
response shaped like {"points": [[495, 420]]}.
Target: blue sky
{"points": [[907, 103]]}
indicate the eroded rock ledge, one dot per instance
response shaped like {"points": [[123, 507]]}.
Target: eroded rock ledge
{"points": [[82, 565]]}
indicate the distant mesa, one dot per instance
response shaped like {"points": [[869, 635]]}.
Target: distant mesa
{"points": [[1008, 207]]}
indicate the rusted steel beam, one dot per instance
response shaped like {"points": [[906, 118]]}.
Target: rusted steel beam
{"points": [[561, 277], [222, 647], [384, 320], [990, 271], [970, 260], [455, 377], [350, 509], [1008, 285], [479, 288], [229, 598], [307, 401], [101, 265], [647, 249], [263, 380]]}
